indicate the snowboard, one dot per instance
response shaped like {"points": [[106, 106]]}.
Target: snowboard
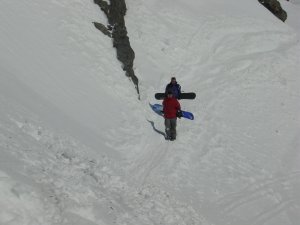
{"points": [[158, 108], [185, 95]]}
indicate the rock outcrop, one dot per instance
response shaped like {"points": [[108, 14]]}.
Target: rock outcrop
{"points": [[116, 29], [275, 7]]}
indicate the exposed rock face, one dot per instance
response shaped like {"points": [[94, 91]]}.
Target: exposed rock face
{"points": [[275, 7], [116, 29], [102, 28]]}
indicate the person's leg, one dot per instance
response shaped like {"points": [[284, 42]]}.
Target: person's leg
{"points": [[173, 128], [168, 128]]}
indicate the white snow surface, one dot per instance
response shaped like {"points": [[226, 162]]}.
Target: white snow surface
{"points": [[77, 147]]}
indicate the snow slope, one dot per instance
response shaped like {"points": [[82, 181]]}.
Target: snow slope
{"points": [[292, 8], [77, 147]]}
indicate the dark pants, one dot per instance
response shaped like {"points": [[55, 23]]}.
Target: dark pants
{"points": [[170, 125]]}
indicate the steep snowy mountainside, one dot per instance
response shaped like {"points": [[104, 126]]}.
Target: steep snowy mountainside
{"points": [[243, 64], [55, 51]]}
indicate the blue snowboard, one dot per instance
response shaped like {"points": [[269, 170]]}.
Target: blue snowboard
{"points": [[158, 108]]}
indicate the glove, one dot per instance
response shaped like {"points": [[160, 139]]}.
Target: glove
{"points": [[179, 114]]}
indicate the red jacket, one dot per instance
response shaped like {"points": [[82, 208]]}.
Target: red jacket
{"points": [[170, 107]]}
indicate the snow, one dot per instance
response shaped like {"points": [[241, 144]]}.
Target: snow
{"points": [[78, 147], [292, 8]]}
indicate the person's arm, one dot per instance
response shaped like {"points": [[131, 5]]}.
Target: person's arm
{"points": [[179, 91], [178, 113], [178, 106], [163, 104]]}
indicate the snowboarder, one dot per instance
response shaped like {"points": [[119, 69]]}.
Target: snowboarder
{"points": [[174, 87], [171, 110]]}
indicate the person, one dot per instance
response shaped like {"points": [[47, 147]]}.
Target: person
{"points": [[174, 87], [171, 110]]}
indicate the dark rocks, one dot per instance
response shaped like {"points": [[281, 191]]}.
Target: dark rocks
{"points": [[275, 7], [115, 13], [102, 28]]}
